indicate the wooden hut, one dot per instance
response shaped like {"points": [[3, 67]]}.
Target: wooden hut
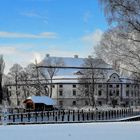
{"points": [[39, 103]]}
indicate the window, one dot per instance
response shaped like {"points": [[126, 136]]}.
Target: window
{"points": [[99, 86], [135, 94], [110, 92], [86, 103], [110, 86], [53, 86], [86, 92], [74, 103], [100, 103], [18, 102], [117, 86], [132, 93], [99, 93], [86, 86], [74, 92], [9, 92], [74, 86], [61, 103], [117, 93], [127, 93], [127, 85], [60, 92], [60, 86]]}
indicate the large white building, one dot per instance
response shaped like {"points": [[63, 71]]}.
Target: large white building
{"points": [[110, 88]]}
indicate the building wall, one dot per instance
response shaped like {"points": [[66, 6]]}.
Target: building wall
{"points": [[70, 94]]}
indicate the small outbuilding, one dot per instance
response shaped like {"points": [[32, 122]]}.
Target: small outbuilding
{"points": [[39, 103]]}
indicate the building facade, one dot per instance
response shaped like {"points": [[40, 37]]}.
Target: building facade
{"points": [[110, 90]]}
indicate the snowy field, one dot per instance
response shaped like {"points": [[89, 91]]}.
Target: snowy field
{"points": [[83, 131]]}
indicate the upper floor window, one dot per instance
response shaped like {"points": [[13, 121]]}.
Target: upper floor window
{"points": [[110, 93], [60, 92], [117, 86], [127, 85], [74, 92], [60, 86], [86, 86], [86, 92], [99, 93], [127, 93], [110, 86], [74, 86], [117, 93], [99, 86], [132, 93]]}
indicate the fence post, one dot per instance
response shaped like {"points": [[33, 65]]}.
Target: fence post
{"points": [[73, 115], [42, 115], [29, 116], [56, 116], [78, 116], [21, 117], [36, 116], [92, 115], [13, 117], [103, 115], [83, 117]]}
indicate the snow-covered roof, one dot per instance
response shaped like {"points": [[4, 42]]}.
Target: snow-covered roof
{"points": [[72, 62], [42, 99], [65, 79], [69, 75]]}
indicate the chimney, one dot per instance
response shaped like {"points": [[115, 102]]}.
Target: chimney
{"points": [[75, 56], [47, 55]]}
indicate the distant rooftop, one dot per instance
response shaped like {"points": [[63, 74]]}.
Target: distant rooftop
{"points": [[70, 62]]}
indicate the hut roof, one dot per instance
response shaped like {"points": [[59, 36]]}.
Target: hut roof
{"points": [[42, 99]]}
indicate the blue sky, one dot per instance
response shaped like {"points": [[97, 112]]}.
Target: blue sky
{"points": [[30, 29]]}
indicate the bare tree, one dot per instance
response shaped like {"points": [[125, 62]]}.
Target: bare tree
{"points": [[90, 77], [49, 73], [124, 13], [2, 66], [34, 82], [14, 73], [124, 54]]}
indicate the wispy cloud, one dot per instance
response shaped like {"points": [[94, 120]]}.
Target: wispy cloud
{"points": [[93, 38], [35, 14], [87, 16], [24, 35]]}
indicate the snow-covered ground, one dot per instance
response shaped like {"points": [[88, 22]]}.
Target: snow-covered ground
{"points": [[83, 131]]}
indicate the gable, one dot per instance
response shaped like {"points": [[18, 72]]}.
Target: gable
{"points": [[114, 78]]}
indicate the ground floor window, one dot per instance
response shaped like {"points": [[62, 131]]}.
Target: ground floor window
{"points": [[99, 103], [86, 103], [61, 103], [74, 103]]}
